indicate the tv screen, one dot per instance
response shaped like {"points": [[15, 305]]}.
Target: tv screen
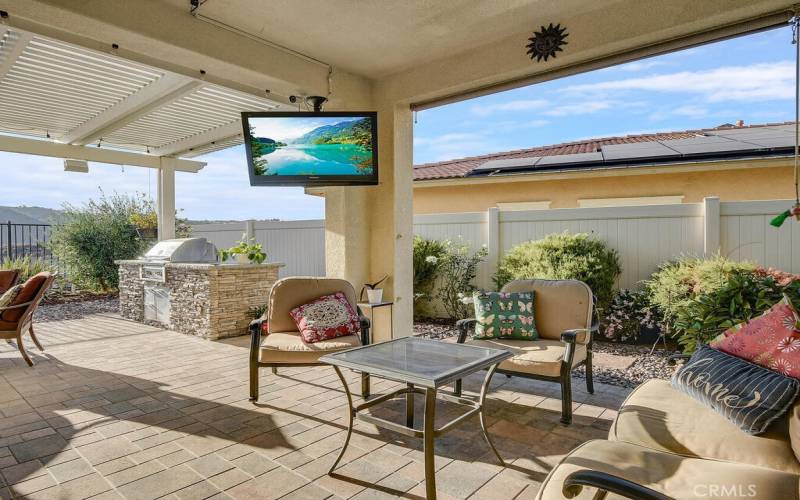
{"points": [[311, 149]]}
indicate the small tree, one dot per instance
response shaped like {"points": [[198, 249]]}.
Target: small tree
{"points": [[457, 272], [91, 237]]}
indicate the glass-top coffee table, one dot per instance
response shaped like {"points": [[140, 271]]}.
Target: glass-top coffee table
{"points": [[424, 366]]}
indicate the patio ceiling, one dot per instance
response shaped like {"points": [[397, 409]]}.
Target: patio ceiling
{"points": [[70, 95]]}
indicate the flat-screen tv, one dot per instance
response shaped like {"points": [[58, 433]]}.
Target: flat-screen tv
{"points": [[311, 148]]}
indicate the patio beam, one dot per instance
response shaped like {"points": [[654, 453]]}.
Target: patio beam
{"points": [[185, 145], [132, 108], [14, 53], [166, 89], [93, 154]]}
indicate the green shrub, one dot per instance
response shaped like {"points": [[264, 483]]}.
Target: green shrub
{"points": [[563, 256], [696, 299], [91, 237], [427, 258], [27, 267], [676, 283], [457, 270], [744, 295]]}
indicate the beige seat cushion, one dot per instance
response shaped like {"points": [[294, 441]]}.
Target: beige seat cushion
{"points": [[288, 347], [657, 416], [673, 475], [536, 357]]}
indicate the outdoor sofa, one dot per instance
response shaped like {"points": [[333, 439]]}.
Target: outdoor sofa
{"points": [[664, 444]]}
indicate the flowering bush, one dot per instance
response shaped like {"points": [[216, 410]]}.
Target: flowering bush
{"points": [[629, 311], [458, 269], [426, 258]]}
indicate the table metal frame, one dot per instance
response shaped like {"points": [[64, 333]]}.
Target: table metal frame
{"points": [[428, 432]]}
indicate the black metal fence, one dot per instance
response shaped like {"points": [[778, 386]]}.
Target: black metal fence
{"points": [[27, 240]]}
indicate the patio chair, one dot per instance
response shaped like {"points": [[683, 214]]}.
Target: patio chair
{"points": [[17, 318], [563, 311], [275, 341], [8, 278]]}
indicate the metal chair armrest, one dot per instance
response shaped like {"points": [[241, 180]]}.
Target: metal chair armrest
{"points": [[571, 336], [366, 325], [575, 482], [255, 337], [673, 359], [463, 326]]}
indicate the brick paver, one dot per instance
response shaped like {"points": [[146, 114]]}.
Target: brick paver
{"points": [[117, 409]]}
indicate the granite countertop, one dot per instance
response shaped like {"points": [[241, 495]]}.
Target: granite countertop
{"points": [[201, 265]]}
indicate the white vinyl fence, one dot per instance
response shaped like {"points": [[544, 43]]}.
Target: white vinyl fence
{"points": [[644, 236], [299, 244]]}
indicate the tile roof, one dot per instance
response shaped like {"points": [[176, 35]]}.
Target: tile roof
{"points": [[459, 167]]}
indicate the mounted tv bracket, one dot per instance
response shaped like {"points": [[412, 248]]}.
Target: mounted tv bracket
{"points": [[315, 101]]}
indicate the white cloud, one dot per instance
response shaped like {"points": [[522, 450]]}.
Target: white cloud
{"points": [[757, 82], [518, 105], [582, 108]]}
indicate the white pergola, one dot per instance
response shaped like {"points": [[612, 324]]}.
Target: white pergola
{"points": [[65, 101]]}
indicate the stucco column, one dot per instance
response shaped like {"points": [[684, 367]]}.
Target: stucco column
{"points": [[368, 230], [391, 212], [346, 234]]}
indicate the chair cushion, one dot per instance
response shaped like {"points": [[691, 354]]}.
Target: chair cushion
{"points": [[749, 395], [29, 290], [288, 347], [325, 318], [536, 357], [504, 315], [672, 475], [771, 340], [560, 305], [657, 416], [10, 295]]}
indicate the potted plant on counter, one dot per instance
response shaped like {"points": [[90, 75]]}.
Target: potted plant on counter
{"points": [[246, 251]]}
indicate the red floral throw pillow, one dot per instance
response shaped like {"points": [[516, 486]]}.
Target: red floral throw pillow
{"points": [[327, 317], [771, 340]]}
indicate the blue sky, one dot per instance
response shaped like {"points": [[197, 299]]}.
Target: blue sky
{"points": [[749, 78]]}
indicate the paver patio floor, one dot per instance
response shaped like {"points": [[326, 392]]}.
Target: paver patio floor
{"points": [[115, 409]]}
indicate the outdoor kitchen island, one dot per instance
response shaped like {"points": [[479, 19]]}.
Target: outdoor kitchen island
{"points": [[204, 299]]}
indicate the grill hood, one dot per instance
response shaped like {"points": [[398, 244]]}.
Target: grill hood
{"points": [[182, 250]]}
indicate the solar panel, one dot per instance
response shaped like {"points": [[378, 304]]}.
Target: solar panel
{"points": [[700, 145], [570, 159], [639, 151], [506, 164], [764, 137]]}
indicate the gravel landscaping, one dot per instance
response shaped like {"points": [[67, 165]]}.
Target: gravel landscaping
{"points": [[622, 365], [76, 309]]}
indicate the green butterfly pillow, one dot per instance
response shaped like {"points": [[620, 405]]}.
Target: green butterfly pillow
{"points": [[502, 315]]}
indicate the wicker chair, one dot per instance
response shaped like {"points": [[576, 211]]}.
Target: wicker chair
{"points": [[17, 318], [275, 341]]}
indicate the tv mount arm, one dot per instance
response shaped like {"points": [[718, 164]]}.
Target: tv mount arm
{"points": [[315, 101]]}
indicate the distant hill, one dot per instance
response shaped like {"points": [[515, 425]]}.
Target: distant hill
{"points": [[28, 215], [349, 132]]}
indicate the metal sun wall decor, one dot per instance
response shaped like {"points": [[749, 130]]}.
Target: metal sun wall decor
{"points": [[545, 43]]}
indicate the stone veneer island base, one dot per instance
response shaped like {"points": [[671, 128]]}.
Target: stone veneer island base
{"points": [[212, 301]]}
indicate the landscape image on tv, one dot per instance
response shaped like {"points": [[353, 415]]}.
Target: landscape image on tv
{"points": [[311, 145]]}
